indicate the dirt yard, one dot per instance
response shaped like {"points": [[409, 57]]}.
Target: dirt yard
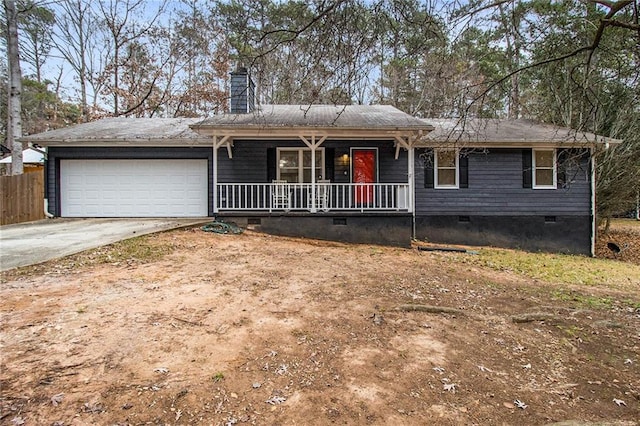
{"points": [[188, 327]]}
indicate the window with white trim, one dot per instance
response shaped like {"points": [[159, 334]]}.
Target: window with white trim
{"points": [[544, 169], [294, 164], [447, 168]]}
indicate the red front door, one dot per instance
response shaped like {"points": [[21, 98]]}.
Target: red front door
{"points": [[364, 173]]}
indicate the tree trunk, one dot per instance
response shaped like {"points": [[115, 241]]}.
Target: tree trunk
{"points": [[511, 35], [116, 66], [14, 117]]}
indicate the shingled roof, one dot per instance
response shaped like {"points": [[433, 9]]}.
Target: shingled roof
{"points": [[123, 130], [504, 132], [270, 121], [378, 117], [277, 120]]}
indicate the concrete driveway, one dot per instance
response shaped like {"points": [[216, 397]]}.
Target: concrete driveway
{"points": [[35, 242]]}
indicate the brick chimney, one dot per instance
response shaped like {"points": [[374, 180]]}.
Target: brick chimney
{"points": [[242, 92]]}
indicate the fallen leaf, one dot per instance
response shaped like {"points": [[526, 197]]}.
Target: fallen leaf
{"points": [[92, 408], [619, 402], [450, 387], [377, 319], [57, 399], [274, 400], [508, 405], [520, 404]]}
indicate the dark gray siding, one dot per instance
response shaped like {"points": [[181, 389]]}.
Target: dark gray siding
{"points": [[248, 165], [249, 162], [495, 189], [392, 170], [55, 154]]}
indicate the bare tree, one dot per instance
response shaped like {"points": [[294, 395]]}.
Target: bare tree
{"points": [[76, 38], [122, 28]]}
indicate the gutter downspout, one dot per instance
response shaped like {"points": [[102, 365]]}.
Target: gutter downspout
{"points": [[46, 209], [46, 164]]}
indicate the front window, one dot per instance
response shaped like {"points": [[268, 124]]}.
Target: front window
{"points": [[294, 164], [544, 168], [446, 168]]}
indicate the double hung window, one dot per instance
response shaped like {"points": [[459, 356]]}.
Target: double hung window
{"points": [[294, 165], [446, 166], [544, 169]]}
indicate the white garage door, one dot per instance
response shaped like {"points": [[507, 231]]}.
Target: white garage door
{"points": [[133, 188]]}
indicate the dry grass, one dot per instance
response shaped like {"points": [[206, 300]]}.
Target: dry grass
{"points": [[629, 224], [560, 268], [139, 250]]}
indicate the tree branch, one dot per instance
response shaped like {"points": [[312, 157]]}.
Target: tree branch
{"points": [[615, 7], [299, 31], [488, 6], [627, 25]]}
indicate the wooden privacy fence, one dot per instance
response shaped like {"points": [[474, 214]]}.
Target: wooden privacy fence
{"points": [[22, 198]]}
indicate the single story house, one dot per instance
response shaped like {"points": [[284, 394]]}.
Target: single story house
{"points": [[352, 173]]}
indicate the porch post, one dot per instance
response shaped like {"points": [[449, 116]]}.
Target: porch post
{"points": [[411, 175], [313, 145], [215, 175], [408, 145], [313, 174]]}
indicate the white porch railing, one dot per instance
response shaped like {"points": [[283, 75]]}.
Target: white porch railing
{"points": [[322, 197]]}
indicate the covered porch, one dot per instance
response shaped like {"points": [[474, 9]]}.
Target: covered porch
{"points": [[294, 160]]}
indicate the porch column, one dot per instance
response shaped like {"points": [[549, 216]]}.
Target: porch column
{"points": [[217, 143], [411, 174], [313, 175], [215, 175], [408, 145], [313, 145]]}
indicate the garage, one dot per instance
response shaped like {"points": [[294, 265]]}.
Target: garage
{"points": [[133, 188]]}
